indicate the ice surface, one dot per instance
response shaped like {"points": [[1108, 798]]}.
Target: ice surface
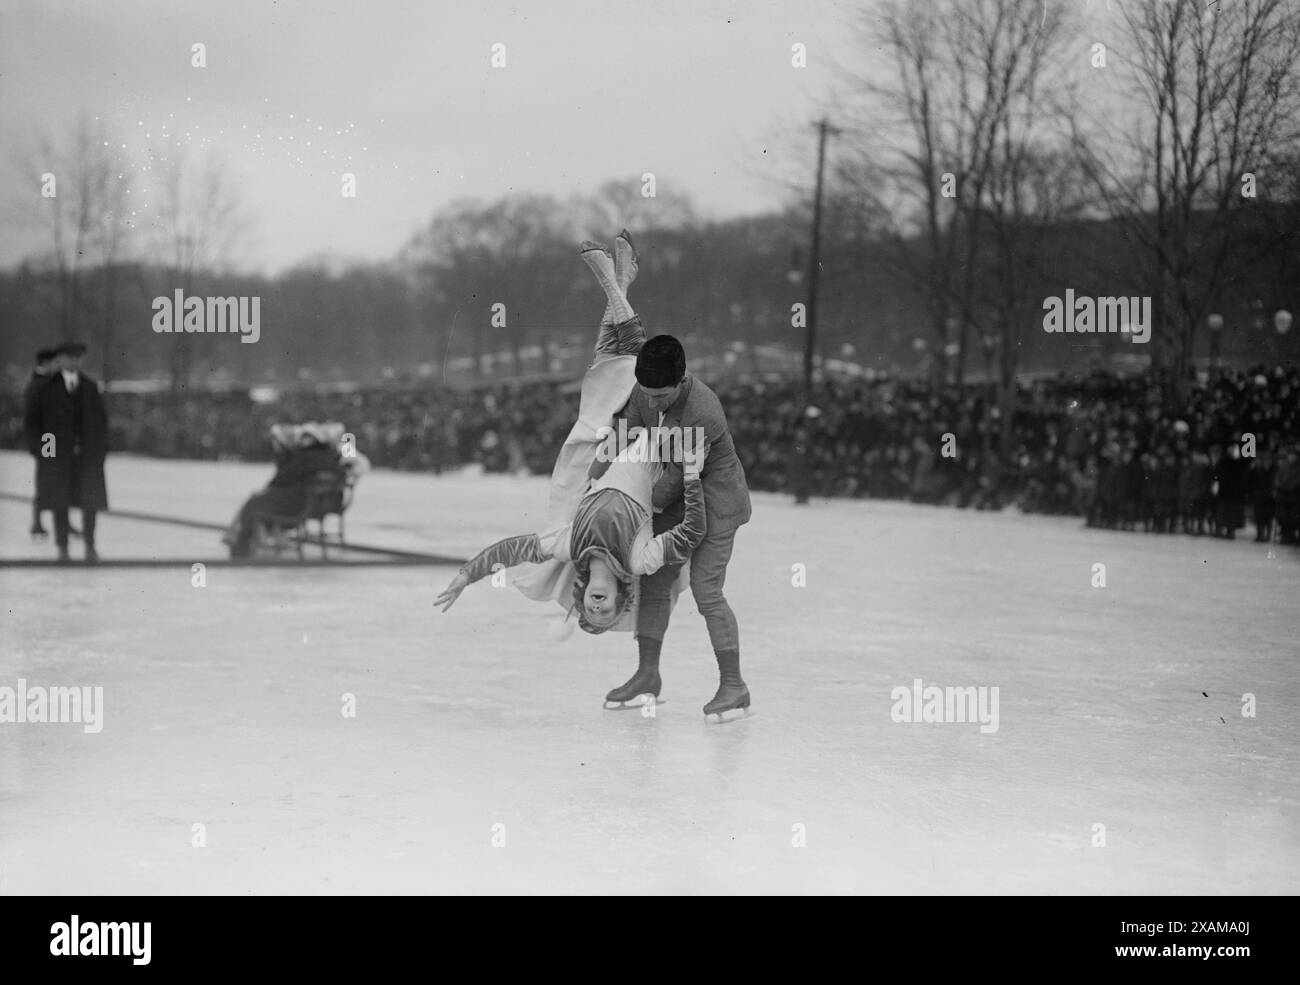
{"points": [[1119, 706]]}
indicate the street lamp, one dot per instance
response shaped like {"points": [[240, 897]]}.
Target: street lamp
{"points": [[951, 326], [990, 345], [1215, 321]]}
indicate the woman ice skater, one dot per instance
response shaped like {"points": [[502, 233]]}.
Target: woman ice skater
{"points": [[599, 540]]}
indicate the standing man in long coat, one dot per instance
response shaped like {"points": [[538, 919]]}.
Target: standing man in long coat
{"points": [[45, 359], [67, 431]]}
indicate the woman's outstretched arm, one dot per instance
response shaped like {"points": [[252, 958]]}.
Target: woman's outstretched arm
{"points": [[520, 549]]}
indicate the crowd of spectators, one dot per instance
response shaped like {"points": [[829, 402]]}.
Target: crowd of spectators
{"points": [[1123, 452], [506, 428]]}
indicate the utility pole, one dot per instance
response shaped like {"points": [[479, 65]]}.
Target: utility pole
{"points": [[824, 128]]}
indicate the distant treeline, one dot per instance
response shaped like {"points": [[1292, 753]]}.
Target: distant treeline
{"points": [[712, 282]]}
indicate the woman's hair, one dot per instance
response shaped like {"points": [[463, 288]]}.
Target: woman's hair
{"points": [[623, 591]]}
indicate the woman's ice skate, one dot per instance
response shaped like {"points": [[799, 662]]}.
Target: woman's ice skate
{"points": [[625, 260]]}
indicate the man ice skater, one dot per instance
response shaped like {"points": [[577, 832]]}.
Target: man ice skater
{"points": [[669, 397], [67, 431]]}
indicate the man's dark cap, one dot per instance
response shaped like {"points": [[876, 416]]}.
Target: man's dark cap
{"points": [[661, 362], [71, 349], [45, 355]]}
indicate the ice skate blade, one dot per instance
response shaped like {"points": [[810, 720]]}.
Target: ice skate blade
{"points": [[640, 701], [730, 715]]}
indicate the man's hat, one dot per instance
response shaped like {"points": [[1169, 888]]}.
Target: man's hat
{"points": [[661, 362], [71, 349], [45, 355]]}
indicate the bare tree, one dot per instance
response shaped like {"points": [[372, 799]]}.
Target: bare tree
{"points": [[197, 219], [1218, 94], [71, 213], [520, 251], [618, 204], [473, 255], [1032, 194], [87, 219], [108, 240], [954, 118]]}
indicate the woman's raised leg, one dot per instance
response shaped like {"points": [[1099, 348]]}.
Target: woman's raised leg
{"points": [[601, 261], [620, 332]]}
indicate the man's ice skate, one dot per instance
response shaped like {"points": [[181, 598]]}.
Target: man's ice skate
{"points": [[642, 690], [730, 703]]}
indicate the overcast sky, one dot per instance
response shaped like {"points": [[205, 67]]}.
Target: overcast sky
{"points": [[402, 93]]}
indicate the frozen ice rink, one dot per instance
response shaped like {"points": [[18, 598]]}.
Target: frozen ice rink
{"points": [[480, 758]]}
